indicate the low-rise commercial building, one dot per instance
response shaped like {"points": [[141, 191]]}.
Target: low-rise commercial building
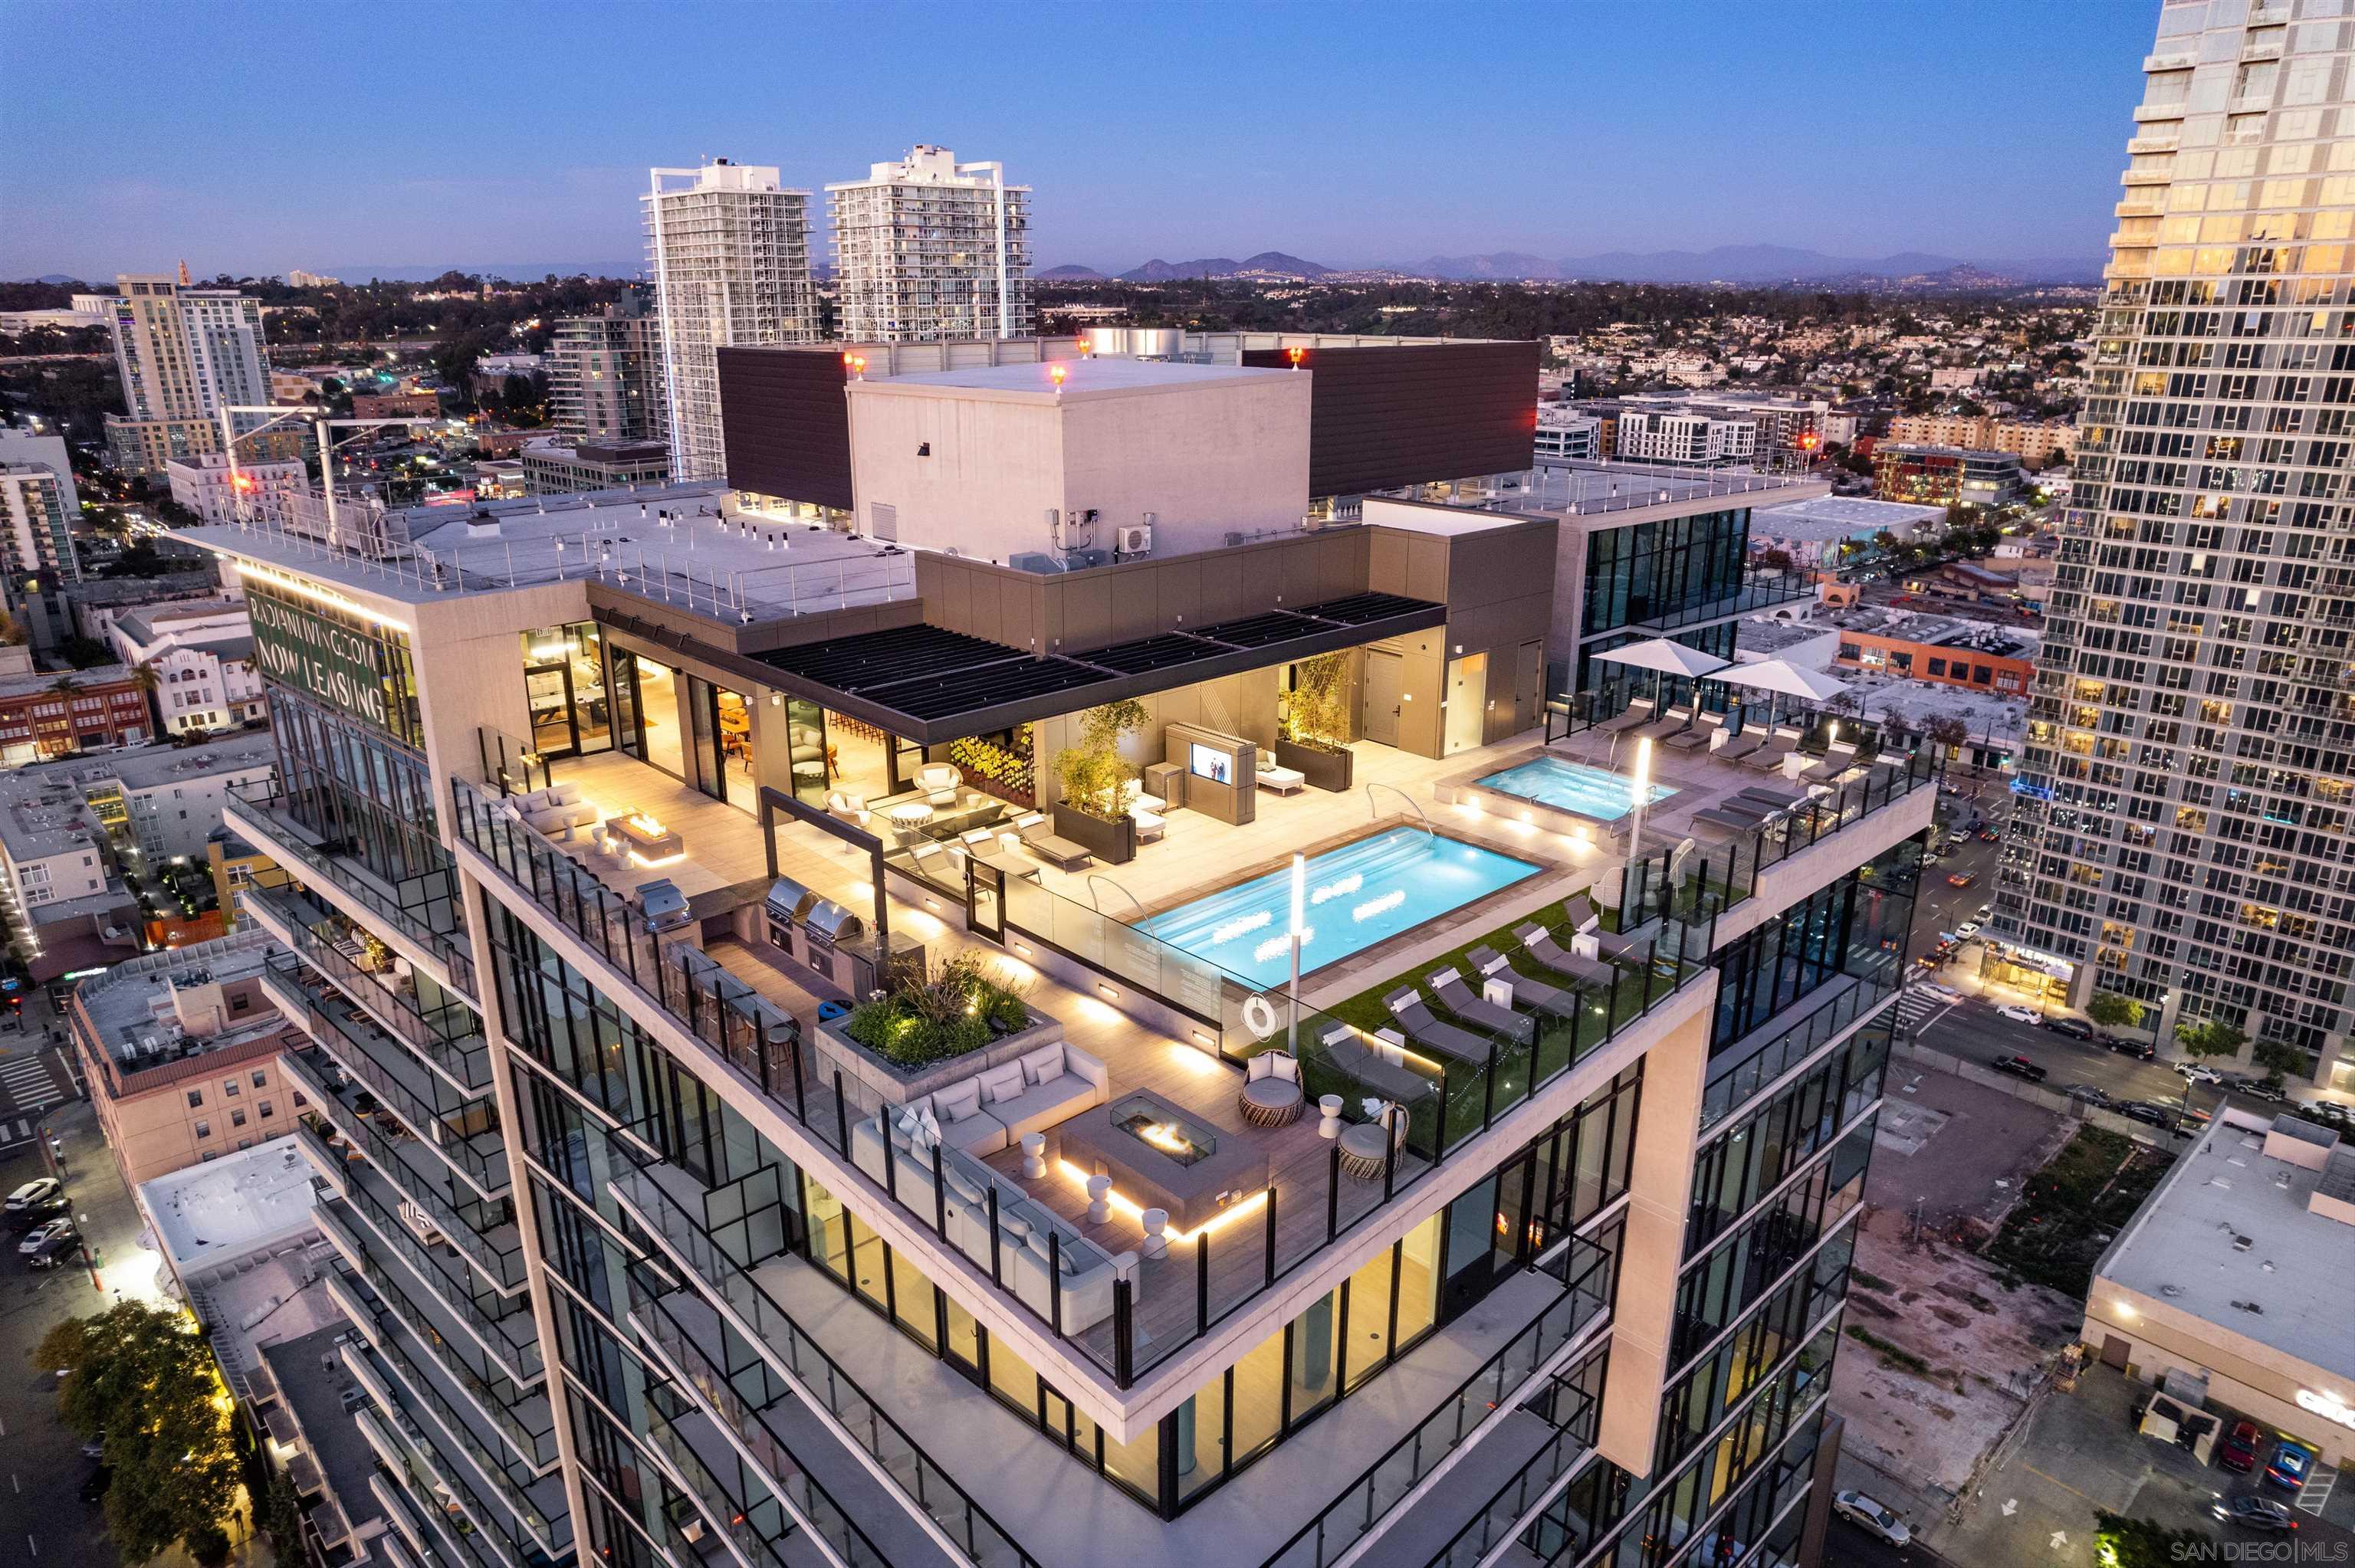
{"points": [[202, 655], [180, 1049], [1827, 532], [1566, 432], [1937, 648], [2231, 1283], [395, 406], [51, 713], [206, 485], [1944, 476], [553, 466]]}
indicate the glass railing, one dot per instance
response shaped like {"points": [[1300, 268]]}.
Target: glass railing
{"points": [[1435, 1105], [792, 1485], [484, 1168], [1363, 1505], [500, 1402], [1760, 590], [418, 1478], [418, 1384], [1742, 1071], [1573, 1413], [387, 1229], [712, 1499], [312, 852], [1696, 885], [502, 1264], [446, 1473], [772, 1331], [414, 1528], [452, 1037]]}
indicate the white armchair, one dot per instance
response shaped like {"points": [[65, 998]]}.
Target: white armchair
{"points": [[847, 807], [939, 781]]}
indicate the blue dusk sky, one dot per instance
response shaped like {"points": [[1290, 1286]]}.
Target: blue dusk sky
{"points": [[253, 138]]}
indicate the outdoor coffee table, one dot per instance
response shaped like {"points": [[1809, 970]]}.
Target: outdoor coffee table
{"points": [[1160, 1157]]}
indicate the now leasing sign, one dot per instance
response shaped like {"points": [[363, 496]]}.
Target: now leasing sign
{"points": [[313, 655]]}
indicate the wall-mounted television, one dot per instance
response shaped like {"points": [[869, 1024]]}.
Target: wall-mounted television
{"points": [[1211, 762]]}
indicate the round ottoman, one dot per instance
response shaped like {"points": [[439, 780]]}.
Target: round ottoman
{"points": [[1271, 1102], [1363, 1151]]}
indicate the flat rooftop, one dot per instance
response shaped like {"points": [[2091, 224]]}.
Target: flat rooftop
{"points": [[1579, 488], [2229, 1230], [1081, 377], [133, 999], [45, 809], [248, 1202], [1839, 517], [311, 1382]]}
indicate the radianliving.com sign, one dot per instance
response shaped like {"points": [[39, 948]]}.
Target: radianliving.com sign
{"points": [[338, 666]]}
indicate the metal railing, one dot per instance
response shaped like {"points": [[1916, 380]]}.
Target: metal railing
{"points": [[802, 1361], [1575, 1416], [389, 1228], [270, 805], [1354, 1513], [1442, 1104], [463, 1053]]}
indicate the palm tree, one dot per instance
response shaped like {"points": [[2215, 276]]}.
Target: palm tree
{"points": [[64, 686]]}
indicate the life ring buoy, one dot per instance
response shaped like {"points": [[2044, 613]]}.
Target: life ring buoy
{"points": [[1259, 1016]]}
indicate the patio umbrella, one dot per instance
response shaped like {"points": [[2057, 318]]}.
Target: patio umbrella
{"points": [[1664, 658], [1781, 678]]}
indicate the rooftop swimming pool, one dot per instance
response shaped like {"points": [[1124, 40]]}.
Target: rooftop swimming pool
{"points": [[1574, 787], [1357, 894]]}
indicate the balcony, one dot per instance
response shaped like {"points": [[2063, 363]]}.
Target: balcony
{"points": [[430, 1388], [429, 921], [391, 1142], [764, 1496], [449, 1037], [406, 1444], [461, 1129], [364, 1228], [428, 1540], [524, 1420], [684, 1323]]}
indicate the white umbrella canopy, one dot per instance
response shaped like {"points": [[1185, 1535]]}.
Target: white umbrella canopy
{"points": [[1783, 678], [1665, 657]]}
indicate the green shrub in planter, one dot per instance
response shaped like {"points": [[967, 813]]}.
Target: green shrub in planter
{"points": [[955, 1008]]}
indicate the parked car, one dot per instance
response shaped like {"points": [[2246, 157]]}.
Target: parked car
{"points": [[2239, 1449], [1983, 912], [2140, 1050], [2288, 1466], [2017, 1014], [96, 1447], [2074, 1028], [34, 1194], [2018, 1067], [2147, 1114], [2195, 1073], [2259, 1090], [40, 1237], [94, 1485], [1875, 1519], [2088, 1093], [1962, 879], [2256, 1514]]}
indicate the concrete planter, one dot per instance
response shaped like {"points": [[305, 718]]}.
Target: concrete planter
{"points": [[1113, 842], [869, 1080], [1324, 769]]}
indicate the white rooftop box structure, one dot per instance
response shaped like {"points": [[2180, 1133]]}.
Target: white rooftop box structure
{"points": [[1080, 462]]}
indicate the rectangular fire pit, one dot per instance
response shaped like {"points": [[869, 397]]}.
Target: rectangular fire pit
{"points": [[1158, 1157]]}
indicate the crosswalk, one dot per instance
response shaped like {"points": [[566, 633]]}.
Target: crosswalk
{"points": [[27, 1084], [1917, 1008]]}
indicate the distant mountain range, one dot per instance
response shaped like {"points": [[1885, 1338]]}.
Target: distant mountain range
{"points": [[1758, 264]]}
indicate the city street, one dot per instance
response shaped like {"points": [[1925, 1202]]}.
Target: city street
{"points": [[42, 1520]]}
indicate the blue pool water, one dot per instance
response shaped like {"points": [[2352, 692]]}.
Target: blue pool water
{"points": [[1358, 894], [1573, 787]]}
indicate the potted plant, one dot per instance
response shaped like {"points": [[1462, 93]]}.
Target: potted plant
{"points": [[1317, 722], [1094, 777]]}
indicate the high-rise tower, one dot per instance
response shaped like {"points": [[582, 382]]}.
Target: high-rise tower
{"points": [[2188, 785], [728, 247], [929, 247]]}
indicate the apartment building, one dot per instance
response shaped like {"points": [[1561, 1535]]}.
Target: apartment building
{"points": [[180, 1050], [396, 404], [2185, 784], [1943, 476], [1687, 440], [201, 652], [206, 485], [38, 509], [728, 247], [926, 247], [604, 373], [1567, 433], [650, 1256], [183, 353], [2038, 443]]}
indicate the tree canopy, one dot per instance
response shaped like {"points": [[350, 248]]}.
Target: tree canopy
{"points": [[2210, 1037], [143, 1378]]}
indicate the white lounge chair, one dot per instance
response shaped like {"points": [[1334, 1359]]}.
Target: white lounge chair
{"points": [[1283, 781]]}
